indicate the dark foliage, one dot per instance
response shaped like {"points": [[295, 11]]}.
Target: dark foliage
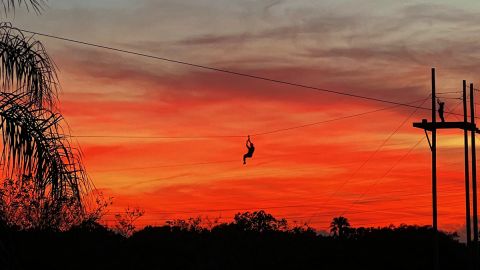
{"points": [[35, 5], [26, 68], [37, 154], [43, 182], [186, 245]]}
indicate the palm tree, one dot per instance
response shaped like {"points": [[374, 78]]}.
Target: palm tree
{"points": [[26, 68], [339, 227], [36, 148], [35, 5]]}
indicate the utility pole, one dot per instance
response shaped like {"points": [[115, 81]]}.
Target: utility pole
{"points": [[467, 181], [474, 181], [436, 264], [466, 126], [467, 173]]}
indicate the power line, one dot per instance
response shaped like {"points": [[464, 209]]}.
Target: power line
{"points": [[392, 167], [306, 205], [266, 158], [453, 98], [316, 206], [452, 190], [226, 71], [384, 175], [288, 206], [157, 137], [232, 73], [331, 120], [232, 209], [329, 213], [376, 151], [253, 134], [297, 218], [218, 210], [326, 213], [449, 92], [169, 165]]}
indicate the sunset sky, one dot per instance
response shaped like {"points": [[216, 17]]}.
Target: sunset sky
{"points": [[381, 49]]}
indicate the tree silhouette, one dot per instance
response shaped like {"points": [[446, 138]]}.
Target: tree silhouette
{"points": [[191, 224], [339, 227], [259, 221], [125, 224], [36, 147]]}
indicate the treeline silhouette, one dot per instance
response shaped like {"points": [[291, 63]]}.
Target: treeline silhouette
{"points": [[253, 240]]}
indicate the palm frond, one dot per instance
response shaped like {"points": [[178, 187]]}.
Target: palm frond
{"points": [[26, 68], [36, 148], [35, 5]]}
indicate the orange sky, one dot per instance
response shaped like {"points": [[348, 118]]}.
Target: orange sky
{"points": [[382, 50]]}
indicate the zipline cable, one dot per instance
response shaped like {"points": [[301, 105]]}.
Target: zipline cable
{"points": [[226, 71], [253, 134]]}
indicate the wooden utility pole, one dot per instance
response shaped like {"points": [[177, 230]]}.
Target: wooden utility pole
{"points": [[436, 264], [465, 126], [467, 173], [474, 181]]}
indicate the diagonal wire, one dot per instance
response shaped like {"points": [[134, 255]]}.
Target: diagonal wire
{"points": [[226, 71], [374, 153], [383, 176], [253, 134], [388, 171]]}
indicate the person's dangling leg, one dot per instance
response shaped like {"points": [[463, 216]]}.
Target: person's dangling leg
{"points": [[247, 155]]}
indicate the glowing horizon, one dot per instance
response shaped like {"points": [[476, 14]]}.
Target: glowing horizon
{"points": [[379, 50]]}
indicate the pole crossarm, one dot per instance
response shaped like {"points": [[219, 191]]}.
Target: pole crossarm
{"points": [[425, 125], [466, 126]]}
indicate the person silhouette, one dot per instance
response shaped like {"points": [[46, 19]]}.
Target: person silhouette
{"points": [[441, 109], [251, 149]]}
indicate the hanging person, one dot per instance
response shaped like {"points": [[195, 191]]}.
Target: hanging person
{"points": [[251, 149], [441, 109]]}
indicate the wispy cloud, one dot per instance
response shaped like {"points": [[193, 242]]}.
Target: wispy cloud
{"points": [[380, 49]]}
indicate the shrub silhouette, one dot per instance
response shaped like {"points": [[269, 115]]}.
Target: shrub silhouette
{"points": [[251, 241], [259, 221]]}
